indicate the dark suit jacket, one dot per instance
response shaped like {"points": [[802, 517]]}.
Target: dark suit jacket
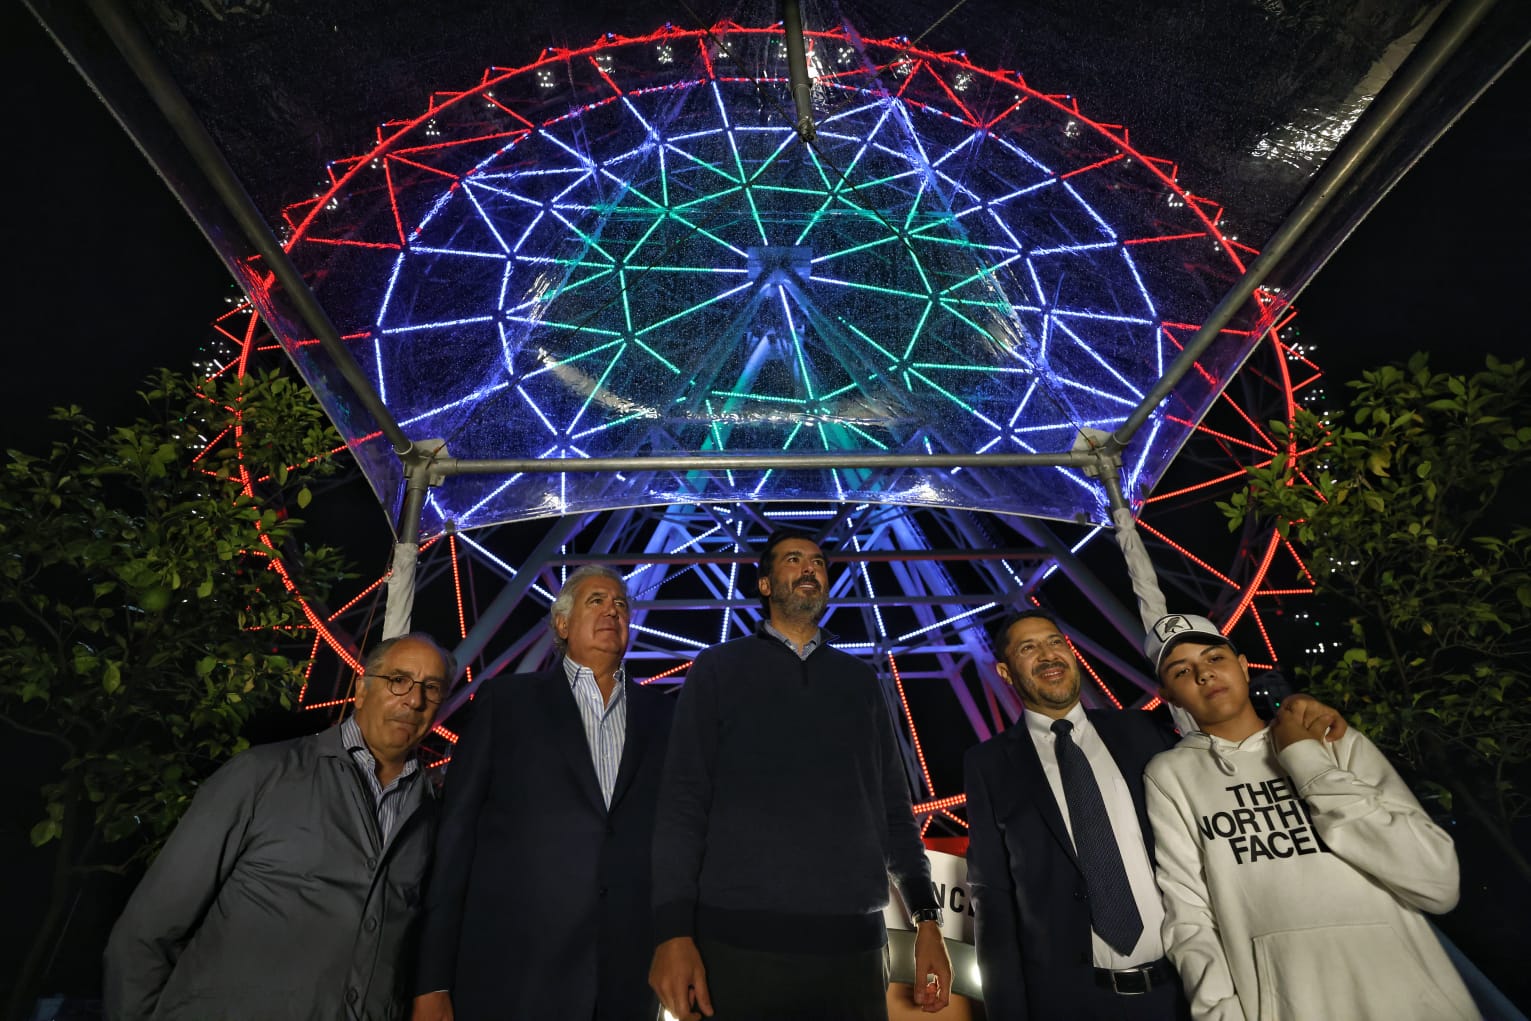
{"points": [[538, 903], [1032, 919]]}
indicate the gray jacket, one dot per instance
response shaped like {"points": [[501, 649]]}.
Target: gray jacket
{"points": [[274, 899]]}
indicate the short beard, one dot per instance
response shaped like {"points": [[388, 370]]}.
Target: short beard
{"points": [[792, 605]]}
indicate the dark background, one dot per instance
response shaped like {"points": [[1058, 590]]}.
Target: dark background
{"points": [[108, 278]]}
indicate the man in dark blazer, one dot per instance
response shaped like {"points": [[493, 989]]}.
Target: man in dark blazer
{"points": [[1037, 852], [538, 902]]}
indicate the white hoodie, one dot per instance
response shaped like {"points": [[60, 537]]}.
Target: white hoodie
{"points": [[1293, 883]]}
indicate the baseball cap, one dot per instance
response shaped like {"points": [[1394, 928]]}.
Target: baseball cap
{"points": [[1173, 628]]}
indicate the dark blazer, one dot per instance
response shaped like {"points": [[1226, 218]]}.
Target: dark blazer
{"points": [[538, 902], [1032, 919]]}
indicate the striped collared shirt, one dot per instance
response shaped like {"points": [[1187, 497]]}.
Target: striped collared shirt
{"points": [[605, 723], [386, 801], [808, 646]]}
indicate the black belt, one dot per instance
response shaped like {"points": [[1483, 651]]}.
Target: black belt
{"points": [[1135, 981]]}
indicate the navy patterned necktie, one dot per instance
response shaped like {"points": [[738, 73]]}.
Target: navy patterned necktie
{"points": [[1113, 912]]}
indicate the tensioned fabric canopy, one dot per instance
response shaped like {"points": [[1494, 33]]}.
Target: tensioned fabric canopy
{"points": [[613, 243]]}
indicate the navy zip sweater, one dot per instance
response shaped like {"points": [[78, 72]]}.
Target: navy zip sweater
{"points": [[783, 805]]}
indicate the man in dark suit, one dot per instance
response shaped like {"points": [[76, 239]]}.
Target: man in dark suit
{"points": [[1060, 859], [1040, 948], [538, 903]]}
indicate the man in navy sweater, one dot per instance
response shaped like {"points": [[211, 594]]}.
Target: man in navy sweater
{"points": [[783, 807]]}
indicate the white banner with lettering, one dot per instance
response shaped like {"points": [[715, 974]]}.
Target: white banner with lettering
{"points": [[950, 874]]}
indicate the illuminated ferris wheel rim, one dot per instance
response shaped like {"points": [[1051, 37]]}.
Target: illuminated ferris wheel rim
{"points": [[302, 217], [905, 62]]}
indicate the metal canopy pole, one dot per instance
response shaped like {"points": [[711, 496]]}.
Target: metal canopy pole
{"points": [[449, 466], [205, 153], [797, 70], [1432, 54], [750, 557], [399, 604], [1455, 25]]}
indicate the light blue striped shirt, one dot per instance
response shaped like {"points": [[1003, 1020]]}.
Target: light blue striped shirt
{"points": [[605, 723], [386, 801]]}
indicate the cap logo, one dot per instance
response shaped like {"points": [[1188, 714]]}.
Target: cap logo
{"points": [[1171, 626]]}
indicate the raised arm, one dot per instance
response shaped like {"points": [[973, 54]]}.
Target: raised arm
{"points": [[1369, 817]]}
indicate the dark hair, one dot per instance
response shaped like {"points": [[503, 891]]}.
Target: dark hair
{"points": [[768, 556], [999, 631]]}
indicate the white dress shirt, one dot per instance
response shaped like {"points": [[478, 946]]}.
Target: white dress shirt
{"points": [[1124, 823]]}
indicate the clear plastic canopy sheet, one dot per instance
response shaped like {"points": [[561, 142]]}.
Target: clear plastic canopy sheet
{"points": [[618, 246]]}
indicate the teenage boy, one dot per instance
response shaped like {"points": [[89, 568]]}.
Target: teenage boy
{"points": [[1294, 868]]}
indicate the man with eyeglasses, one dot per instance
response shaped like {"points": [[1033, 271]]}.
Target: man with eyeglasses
{"points": [[538, 903], [291, 886]]}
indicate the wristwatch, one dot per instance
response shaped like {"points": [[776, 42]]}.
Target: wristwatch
{"points": [[926, 915]]}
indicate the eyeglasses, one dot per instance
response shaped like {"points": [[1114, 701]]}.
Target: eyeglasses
{"points": [[434, 691]]}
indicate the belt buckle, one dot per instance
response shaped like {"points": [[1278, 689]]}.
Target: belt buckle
{"points": [[1141, 973]]}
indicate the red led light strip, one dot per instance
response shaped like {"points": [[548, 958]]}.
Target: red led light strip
{"points": [[1151, 530], [919, 752], [1093, 675], [1301, 564], [462, 620], [1249, 593], [1270, 647], [308, 671], [669, 673], [940, 803], [1092, 166], [1166, 171]]}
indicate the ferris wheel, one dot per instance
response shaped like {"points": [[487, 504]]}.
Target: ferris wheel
{"points": [[625, 250]]}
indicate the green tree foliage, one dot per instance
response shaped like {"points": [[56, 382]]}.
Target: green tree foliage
{"points": [[1412, 506], [141, 607]]}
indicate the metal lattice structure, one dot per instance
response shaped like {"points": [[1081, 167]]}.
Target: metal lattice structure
{"points": [[506, 288], [624, 249]]}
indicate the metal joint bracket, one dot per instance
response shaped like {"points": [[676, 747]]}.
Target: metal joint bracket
{"points": [[1104, 457], [425, 463], [423, 468]]}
